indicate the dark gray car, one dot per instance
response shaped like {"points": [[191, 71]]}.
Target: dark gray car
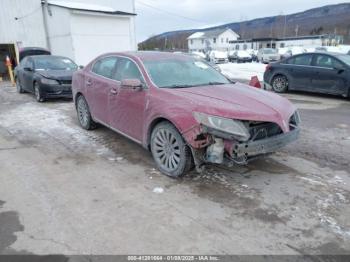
{"points": [[46, 76], [327, 73]]}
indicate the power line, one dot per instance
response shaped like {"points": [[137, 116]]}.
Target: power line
{"points": [[170, 13], [29, 14]]}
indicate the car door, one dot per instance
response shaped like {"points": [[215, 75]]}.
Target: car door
{"points": [[128, 106], [99, 84], [299, 71], [28, 75], [329, 75]]}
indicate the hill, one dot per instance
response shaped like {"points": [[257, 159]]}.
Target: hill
{"points": [[322, 20]]}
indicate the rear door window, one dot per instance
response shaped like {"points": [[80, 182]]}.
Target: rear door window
{"points": [[105, 67], [302, 60]]}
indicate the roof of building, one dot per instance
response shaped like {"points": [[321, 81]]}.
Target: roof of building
{"points": [[86, 7], [286, 38], [208, 34]]}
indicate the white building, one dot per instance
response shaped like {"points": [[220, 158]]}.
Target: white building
{"points": [[302, 41], [79, 29], [218, 39]]}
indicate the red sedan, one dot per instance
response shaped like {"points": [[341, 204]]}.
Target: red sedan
{"points": [[181, 109]]}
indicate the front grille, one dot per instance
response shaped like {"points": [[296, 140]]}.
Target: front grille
{"points": [[65, 82], [263, 130]]}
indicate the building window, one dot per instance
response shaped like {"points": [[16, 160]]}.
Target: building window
{"points": [[237, 47], [214, 40], [227, 40], [274, 45], [245, 47], [282, 45], [202, 41], [268, 45], [260, 46], [252, 47], [191, 41]]}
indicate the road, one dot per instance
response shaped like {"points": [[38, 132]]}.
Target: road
{"points": [[65, 190]]}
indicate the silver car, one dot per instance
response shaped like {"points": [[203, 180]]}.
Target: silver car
{"points": [[267, 55]]}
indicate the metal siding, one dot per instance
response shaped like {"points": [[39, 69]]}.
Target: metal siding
{"points": [[28, 29]]}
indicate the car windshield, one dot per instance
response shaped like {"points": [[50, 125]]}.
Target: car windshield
{"points": [[270, 51], [179, 73], [54, 63], [345, 59]]}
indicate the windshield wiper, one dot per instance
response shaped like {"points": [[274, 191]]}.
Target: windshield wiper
{"points": [[216, 83], [178, 86]]}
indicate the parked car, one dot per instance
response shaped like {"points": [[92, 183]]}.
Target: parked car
{"points": [[240, 56], [284, 52], [253, 53], [30, 51], [267, 55], [215, 66], [46, 76], [182, 110], [314, 72], [218, 57]]}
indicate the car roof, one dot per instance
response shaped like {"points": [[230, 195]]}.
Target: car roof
{"points": [[151, 55], [322, 53], [48, 56]]}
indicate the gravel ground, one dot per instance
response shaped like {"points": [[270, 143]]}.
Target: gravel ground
{"points": [[67, 191]]}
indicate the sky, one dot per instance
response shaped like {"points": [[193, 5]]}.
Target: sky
{"points": [[158, 16]]}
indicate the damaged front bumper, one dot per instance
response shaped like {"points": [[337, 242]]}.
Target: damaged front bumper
{"points": [[220, 147], [264, 146]]}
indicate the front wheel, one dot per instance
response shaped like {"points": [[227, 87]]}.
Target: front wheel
{"points": [[170, 152], [18, 86], [37, 93], [84, 115], [280, 84]]}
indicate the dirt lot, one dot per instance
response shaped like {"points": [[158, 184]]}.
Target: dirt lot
{"points": [[68, 191]]}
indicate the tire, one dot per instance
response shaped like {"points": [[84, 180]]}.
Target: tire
{"points": [[84, 115], [280, 84], [19, 87], [172, 155], [37, 93]]}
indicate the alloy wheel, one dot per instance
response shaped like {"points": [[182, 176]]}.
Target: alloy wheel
{"points": [[280, 84], [83, 112], [167, 150]]}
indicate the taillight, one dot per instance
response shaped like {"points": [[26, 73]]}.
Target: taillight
{"points": [[268, 67]]}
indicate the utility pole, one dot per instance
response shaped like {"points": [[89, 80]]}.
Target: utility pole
{"points": [[296, 30]]}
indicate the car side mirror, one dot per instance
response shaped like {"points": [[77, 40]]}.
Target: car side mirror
{"points": [[134, 84], [29, 69]]}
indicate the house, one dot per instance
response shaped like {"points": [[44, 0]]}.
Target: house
{"points": [[78, 29], [218, 39], [303, 41]]}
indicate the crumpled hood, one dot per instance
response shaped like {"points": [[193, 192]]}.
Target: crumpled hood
{"points": [[57, 74], [239, 101]]}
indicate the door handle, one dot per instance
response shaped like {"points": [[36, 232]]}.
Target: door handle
{"points": [[114, 91], [88, 82]]}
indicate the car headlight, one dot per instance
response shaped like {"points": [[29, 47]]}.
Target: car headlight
{"points": [[234, 127], [48, 81]]}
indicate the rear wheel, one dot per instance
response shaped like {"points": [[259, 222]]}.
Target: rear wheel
{"points": [[37, 93], [170, 152], [84, 115], [280, 84]]}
